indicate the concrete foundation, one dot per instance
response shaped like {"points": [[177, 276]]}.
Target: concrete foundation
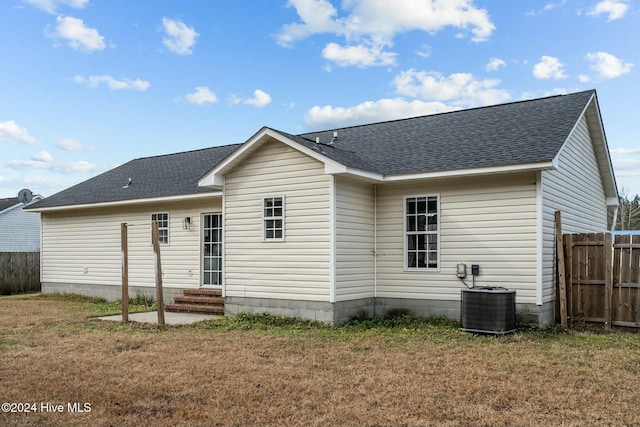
{"points": [[108, 292], [340, 312], [332, 313]]}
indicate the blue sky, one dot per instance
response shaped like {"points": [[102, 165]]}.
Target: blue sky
{"points": [[86, 85]]}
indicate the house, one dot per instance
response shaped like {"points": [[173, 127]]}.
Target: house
{"points": [[19, 229], [364, 219]]}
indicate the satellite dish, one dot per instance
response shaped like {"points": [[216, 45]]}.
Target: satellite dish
{"points": [[25, 196]]}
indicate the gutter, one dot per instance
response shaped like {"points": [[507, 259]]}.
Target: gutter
{"points": [[125, 202]]}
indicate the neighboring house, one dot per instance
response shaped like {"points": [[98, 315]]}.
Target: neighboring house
{"points": [[364, 219], [19, 229]]}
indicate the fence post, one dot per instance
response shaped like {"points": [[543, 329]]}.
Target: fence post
{"points": [[125, 271], [562, 282], [568, 245], [156, 253], [608, 280]]}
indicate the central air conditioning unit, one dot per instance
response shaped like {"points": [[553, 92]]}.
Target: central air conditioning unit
{"points": [[488, 310]]}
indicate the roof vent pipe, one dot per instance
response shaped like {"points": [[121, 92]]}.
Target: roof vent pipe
{"points": [[335, 137]]}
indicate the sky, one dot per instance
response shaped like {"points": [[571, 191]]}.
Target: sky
{"points": [[87, 85]]}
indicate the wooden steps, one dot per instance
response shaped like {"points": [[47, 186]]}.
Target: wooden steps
{"points": [[207, 301]]}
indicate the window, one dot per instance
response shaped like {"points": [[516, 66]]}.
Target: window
{"points": [[163, 227], [421, 233], [273, 218]]}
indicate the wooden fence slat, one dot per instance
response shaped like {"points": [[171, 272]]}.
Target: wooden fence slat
{"points": [[603, 278], [615, 298], [19, 272], [635, 278], [625, 276], [568, 249]]}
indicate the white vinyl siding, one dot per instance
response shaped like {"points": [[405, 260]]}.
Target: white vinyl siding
{"points": [[83, 246], [19, 230], [354, 240], [485, 221], [576, 190], [298, 268]]}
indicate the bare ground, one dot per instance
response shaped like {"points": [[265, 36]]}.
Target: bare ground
{"points": [[210, 374]]}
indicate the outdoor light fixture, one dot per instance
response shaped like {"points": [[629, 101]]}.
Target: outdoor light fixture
{"points": [[186, 223]]}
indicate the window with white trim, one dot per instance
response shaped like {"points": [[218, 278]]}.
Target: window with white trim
{"points": [[422, 233], [273, 218], [163, 227]]}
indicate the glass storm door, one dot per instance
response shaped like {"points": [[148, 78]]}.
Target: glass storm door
{"points": [[212, 250]]}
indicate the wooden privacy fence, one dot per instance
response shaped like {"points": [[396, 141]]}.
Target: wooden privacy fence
{"points": [[19, 272], [602, 279]]}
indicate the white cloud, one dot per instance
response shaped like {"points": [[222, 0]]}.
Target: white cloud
{"points": [[179, 38], [424, 52], [625, 151], [78, 36], [494, 64], [630, 166], [61, 167], [51, 6], [113, 84], [550, 6], [614, 9], [317, 16], [43, 156], [201, 96], [371, 111], [358, 55], [461, 88], [549, 68], [368, 26], [260, 98], [68, 144], [11, 131], [607, 65]]}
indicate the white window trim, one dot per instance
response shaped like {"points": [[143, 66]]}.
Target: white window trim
{"points": [[159, 228], [404, 234], [265, 218]]}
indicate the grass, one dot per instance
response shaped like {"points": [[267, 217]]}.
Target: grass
{"points": [[274, 371]]}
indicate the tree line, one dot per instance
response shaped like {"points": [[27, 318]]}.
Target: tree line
{"points": [[628, 212]]}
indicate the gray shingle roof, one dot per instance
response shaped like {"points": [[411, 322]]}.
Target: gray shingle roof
{"points": [[8, 202], [158, 176], [508, 134]]}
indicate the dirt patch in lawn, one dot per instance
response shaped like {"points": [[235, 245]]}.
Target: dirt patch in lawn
{"points": [[236, 374]]}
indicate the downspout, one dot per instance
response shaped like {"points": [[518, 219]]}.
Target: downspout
{"points": [[224, 244], [375, 241], [539, 240], [332, 239]]}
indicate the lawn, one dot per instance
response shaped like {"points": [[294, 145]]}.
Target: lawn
{"points": [[261, 370]]}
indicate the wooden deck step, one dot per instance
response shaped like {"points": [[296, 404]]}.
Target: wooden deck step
{"points": [[188, 299], [203, 292], [195, 308], [208, 301]]}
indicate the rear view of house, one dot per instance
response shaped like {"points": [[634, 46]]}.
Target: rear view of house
{"points": [[365, 219]]}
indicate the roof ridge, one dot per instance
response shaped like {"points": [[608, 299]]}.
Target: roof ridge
{"points": [[446, 112]]}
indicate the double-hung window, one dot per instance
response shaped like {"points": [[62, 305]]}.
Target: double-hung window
{"points": [[422, 232], [273, 218], [163, 227]]}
